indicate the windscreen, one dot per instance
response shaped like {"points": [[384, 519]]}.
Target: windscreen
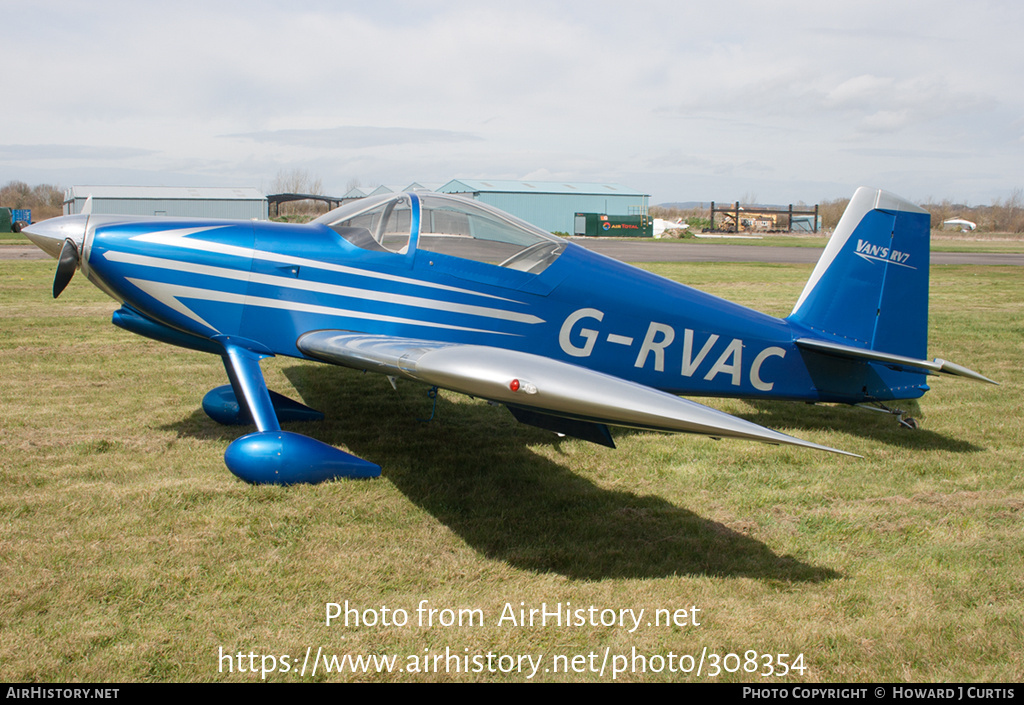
{"points": [[461, 228]]}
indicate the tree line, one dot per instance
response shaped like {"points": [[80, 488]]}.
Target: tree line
{"points": [[44, 200]]}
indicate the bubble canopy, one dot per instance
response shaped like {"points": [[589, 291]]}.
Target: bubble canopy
{"points": [[402, 222]]}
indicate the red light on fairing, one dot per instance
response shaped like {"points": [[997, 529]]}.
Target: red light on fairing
{"points": [[514, 385]]}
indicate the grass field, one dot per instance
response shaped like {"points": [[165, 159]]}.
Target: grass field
{"points": [[128, 552]]}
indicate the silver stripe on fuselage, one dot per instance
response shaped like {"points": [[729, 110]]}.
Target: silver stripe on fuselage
{"points": [[169, 295], [321, 288]]}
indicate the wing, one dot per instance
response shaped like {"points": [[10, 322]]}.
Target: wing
{"points": [[539, 388]]}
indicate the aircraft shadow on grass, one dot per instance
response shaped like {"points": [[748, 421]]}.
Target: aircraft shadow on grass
{"points": [[513, 505]]}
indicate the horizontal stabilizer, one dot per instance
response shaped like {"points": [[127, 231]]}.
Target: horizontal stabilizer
{"points": [[896, 362], [537, 383]]}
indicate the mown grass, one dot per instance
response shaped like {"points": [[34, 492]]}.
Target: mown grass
{"points": [[129, 552]]}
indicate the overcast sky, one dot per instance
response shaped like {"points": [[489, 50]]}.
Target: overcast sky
{"points": [[782, 101]]}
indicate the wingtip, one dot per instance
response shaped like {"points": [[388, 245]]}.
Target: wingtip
{"points": [[842, 452], [817, 446]]}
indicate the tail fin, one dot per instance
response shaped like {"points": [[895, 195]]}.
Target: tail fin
{"points": [[870, 287]]}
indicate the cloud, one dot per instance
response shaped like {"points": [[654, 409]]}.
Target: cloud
{"points": [[31, 152], [897, 153], [886, 121], [355, 137], [857, 91]]}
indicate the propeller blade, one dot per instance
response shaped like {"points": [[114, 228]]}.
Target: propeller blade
{"points": [[66, 266]]}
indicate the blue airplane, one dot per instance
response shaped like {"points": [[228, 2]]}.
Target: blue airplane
{"points": [[458, 295]]}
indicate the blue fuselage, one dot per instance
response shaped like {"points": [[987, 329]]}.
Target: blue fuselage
{"points": [[270, 283]]}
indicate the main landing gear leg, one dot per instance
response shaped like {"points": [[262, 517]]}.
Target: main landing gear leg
{"points": [[902, 418]]}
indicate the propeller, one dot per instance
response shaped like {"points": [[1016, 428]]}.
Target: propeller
{"points": [[62, 238], [67, 263]]}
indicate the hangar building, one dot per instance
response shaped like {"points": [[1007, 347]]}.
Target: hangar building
{"points": [[205, 202], [551, 205]]}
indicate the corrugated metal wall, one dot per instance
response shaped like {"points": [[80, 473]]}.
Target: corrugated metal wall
{"points": [[241, 209]]}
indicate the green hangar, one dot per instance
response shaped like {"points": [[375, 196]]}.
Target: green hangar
{"points": [[551, 205]]}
